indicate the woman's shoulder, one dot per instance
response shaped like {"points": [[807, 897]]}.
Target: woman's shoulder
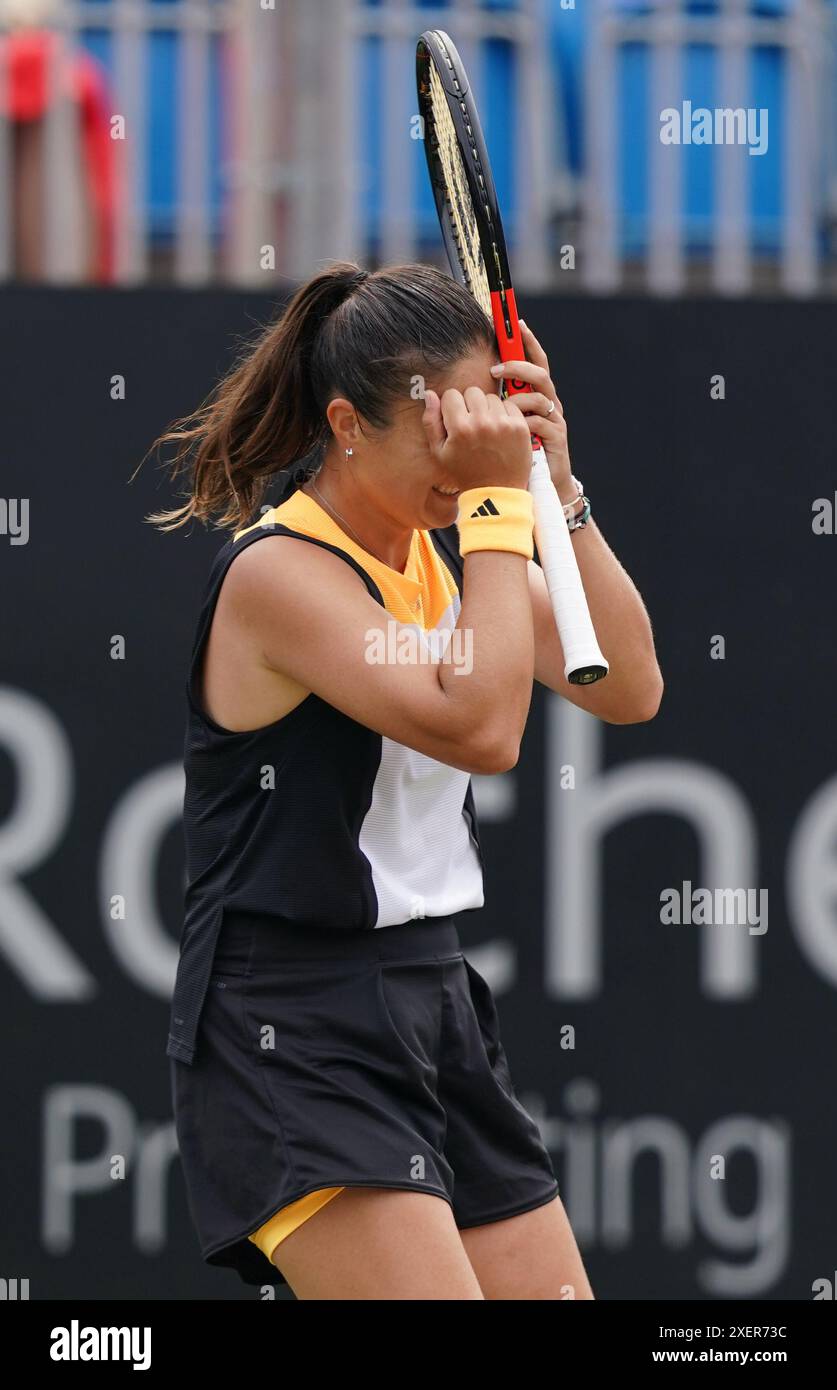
{"points": [[270, 559]]}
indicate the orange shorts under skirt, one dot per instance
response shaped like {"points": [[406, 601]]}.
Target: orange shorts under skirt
{"points": [[289, 1218]]}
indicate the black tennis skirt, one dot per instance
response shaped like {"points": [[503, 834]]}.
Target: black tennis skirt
{"points": [[336, 1058]]}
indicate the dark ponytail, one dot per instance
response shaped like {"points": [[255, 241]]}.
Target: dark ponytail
{"points": [[345, 332]]}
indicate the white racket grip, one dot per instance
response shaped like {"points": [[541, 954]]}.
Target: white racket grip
{"points": [[584, 661]]}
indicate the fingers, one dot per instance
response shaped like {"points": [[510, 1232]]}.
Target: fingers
{"points": [[432, 421], [536, 402], [495, 404], [512, 409], [530, 372], [534, 370], [477, 437], [534, 351], [459, 406], [454, 410], [476, 400], [536, 426]]}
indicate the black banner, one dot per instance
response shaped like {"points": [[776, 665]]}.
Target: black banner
{"points": [[661, 919]]}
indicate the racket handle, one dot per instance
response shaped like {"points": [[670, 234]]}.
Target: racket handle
{"points": [[584, 662]]}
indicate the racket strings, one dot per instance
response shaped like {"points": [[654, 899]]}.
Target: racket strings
{"points": [[475, 154], [457, 191]]}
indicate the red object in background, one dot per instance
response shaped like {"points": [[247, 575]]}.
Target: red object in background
{"points": [[28, 57]]}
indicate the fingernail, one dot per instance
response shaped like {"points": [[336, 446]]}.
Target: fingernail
{"points": [[523, 323], [496, 369]]}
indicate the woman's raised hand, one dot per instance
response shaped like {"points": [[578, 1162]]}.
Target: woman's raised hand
{"points": [[477, 440]]}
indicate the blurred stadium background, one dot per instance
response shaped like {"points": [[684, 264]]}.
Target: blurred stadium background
{"points": [[284, 124], [169, 169]]}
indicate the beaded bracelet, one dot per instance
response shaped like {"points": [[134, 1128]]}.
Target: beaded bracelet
{"points": [[583, 516], [575, 520]]}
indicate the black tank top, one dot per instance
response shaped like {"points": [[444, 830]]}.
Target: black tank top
{"points": [[316, 819]]}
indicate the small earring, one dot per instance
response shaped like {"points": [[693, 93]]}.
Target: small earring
{"points": [[349, 453]]}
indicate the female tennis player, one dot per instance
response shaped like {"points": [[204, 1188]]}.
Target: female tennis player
{"points": [[345, 1112]]}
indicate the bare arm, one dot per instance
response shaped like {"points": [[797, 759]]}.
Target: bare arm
{"points": [[310, 617], [632, 690]]}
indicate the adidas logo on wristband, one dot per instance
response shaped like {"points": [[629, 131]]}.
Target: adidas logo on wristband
{"points": [[486, 508]]}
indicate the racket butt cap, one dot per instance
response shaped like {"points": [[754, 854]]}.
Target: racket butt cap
{"points": [[586, 675]]}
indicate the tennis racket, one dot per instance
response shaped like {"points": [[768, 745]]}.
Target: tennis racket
{"points": [[466, 202]]}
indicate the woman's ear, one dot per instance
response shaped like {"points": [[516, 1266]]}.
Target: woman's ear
{"points": [[345, 426]]}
